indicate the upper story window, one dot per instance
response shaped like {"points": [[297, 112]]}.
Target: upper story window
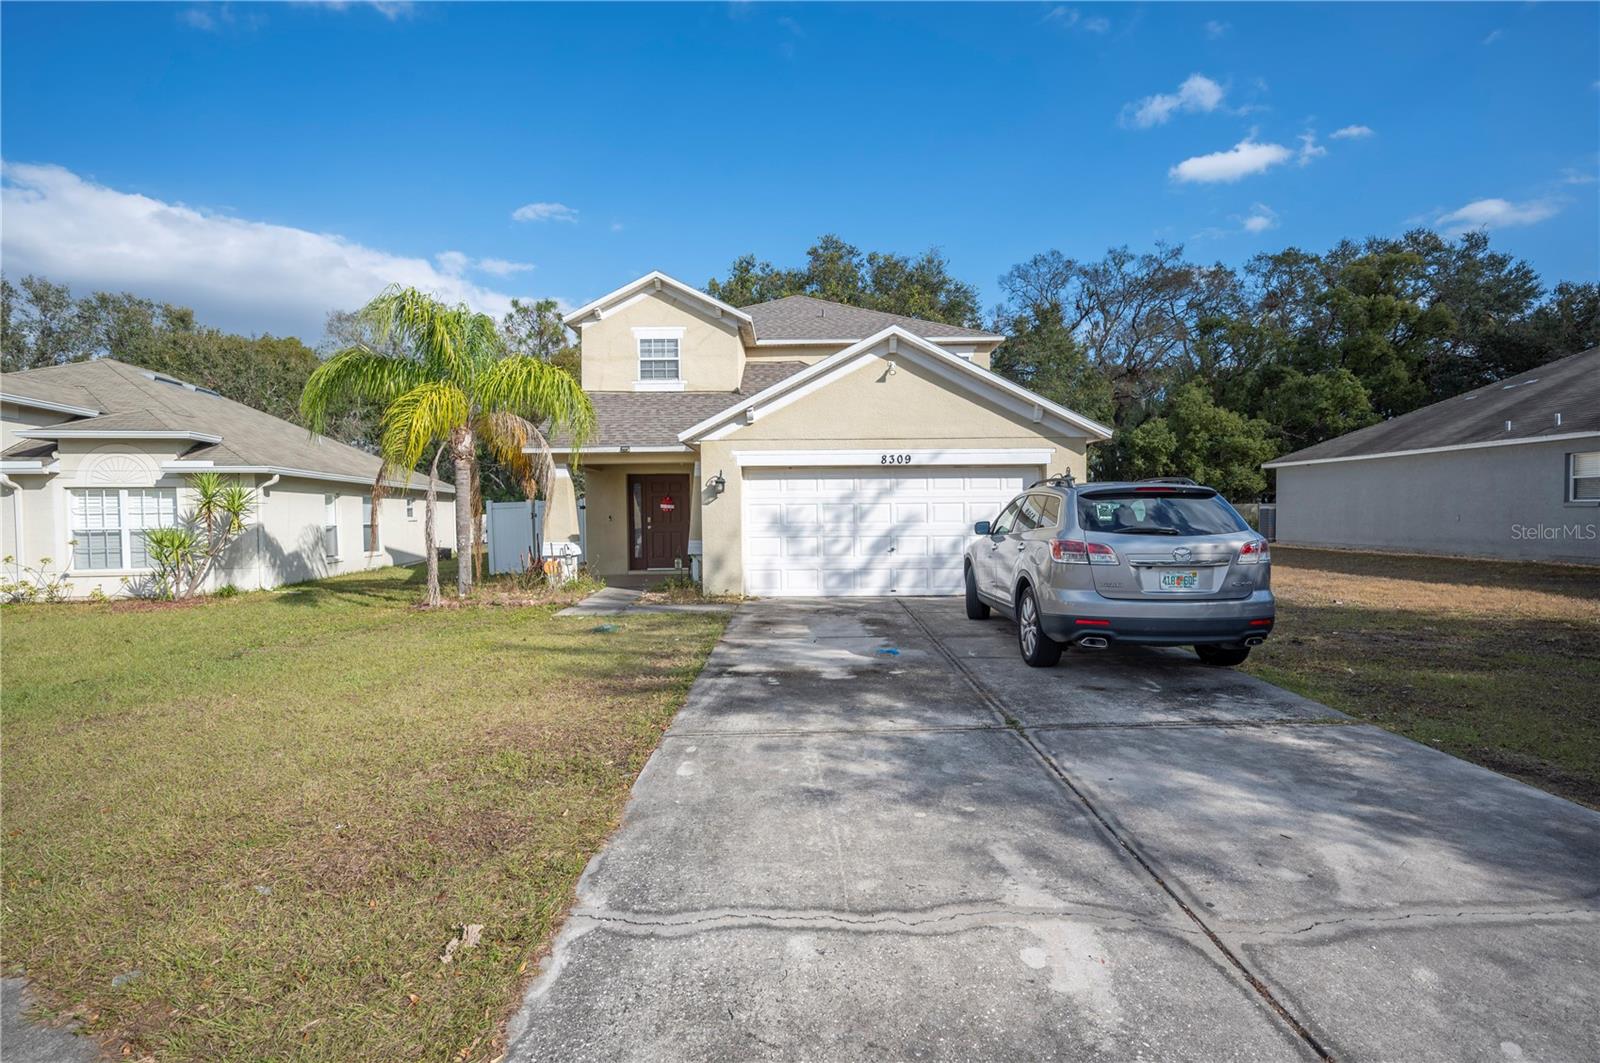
{"points": [[660, 359]]}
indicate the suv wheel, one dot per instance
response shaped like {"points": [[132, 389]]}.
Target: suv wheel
{"points": [[1222, 656], [976, 609], [1038, 649]]}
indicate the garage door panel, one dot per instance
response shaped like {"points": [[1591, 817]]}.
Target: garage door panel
{"points": [[852, 531]]}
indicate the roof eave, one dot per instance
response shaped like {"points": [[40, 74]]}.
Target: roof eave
{"points": [[64, 432], [1096, 431], [1290, 461], [659, 281], [49, 406]]}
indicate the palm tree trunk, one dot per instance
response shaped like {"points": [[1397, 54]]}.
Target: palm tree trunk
{"points": [[461, 451], [427, 532]]}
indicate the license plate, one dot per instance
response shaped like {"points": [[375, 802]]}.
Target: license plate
{"points": [[1187, 579]]}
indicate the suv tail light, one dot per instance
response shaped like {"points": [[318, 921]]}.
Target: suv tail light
{"points": [[1078, 552], [1254, 552]]}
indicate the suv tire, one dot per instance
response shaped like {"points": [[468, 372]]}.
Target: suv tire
{"points": [[1038, 649], [976, 609], [1222, 656]]}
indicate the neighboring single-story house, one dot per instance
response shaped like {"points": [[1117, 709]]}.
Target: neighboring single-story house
{"points": [[796, 447], [1510, 470], [95, 452]]}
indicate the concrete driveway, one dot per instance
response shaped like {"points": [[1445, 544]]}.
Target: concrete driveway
{"points": [[873, 833]]}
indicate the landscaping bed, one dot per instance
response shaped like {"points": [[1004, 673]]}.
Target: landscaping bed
{"points": [[251, 828]]}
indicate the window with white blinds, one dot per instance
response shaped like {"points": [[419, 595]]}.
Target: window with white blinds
{"points": [[108, 524], [330, 525], [1583, 477]]}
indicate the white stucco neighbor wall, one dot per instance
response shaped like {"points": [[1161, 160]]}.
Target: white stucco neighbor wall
{"points": [[283, 543], [1503, 502]]}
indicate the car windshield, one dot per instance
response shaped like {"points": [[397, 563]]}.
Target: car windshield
{"points": [[1136, 513]]}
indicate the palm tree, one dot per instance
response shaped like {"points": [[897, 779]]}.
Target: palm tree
{"points": [[445, 380]]}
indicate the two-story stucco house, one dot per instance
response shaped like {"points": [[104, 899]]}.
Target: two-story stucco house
{"points": [[94, 453], [796, 447]]}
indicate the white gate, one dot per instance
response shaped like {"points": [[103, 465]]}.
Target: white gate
{"points": [[513, 531]]}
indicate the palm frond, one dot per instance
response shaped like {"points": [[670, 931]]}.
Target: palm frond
{"points": [[422, 416], [540, 392], [517, 443], [434, 331], [356, 373]]}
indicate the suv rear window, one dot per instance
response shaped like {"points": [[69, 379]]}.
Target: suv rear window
{"points": [[1132, 513]]}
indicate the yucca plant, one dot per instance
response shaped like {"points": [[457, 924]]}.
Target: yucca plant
{"points": [[221, 508], [174, 557], [446, 380]]}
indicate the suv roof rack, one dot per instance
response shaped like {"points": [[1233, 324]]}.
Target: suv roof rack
{"points": [[1060, 479], [1184, 480]]}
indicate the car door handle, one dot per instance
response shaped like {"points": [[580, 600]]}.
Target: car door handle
{"points": [[1022, 546]]}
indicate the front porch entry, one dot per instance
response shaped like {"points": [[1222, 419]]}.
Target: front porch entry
{"points": [[658, 521]]}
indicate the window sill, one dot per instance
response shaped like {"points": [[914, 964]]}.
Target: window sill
{"points": [[658, 385]]}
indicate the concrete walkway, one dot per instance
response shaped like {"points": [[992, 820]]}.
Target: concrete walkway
{"points": [[25, 1041], [614, 601], [872, 833]]}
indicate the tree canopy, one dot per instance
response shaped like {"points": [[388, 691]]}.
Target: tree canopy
{"points": [[838, 271]]}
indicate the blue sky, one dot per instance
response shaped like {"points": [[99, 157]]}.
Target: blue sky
{"points": [[265, 163]]}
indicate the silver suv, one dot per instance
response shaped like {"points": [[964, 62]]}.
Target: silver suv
{"points": [[1159, 562]]}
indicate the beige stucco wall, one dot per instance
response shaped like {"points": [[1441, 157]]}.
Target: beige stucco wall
{"points": [[282, 545], [711, 352], [14, 419], [866, 410], [606, 509]]}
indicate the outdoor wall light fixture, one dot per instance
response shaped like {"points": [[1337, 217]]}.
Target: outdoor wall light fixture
{"points": [[719, 483]]}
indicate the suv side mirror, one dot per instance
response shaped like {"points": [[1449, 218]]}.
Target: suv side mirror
{"points": [[981, 528]]}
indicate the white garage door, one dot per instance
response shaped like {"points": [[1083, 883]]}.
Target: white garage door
{"points": [[866, 531]]}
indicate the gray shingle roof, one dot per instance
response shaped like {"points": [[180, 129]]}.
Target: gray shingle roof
{"points": [[654, 418], [130, 398], [802, 317], [1530, 401]]}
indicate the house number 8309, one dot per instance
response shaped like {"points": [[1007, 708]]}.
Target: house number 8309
{"points": [[894, 459]]}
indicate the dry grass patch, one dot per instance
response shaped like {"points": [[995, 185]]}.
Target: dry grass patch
{"points": [[1495, 662], [278, 809]]}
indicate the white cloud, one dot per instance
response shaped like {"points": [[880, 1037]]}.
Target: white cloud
{"points": [[1309, 149], [1216, 30], [1571, 176], [1198, 93], [452, 262], [198, 18], [1243, 159], [1351, 132], [503, 267], [616, 226], [244, 275], [1260, 219], [545, 212], [1071, 18], [1494, 35], [1496, 214]]}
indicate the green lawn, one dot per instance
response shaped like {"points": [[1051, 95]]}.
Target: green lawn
{"points": [[278, 808], [1495, 662]]}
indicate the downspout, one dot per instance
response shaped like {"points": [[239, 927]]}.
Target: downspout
{"points": [[16, 520], [261, 553]]}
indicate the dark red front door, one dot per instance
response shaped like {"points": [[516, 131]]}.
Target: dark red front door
{"points": [[658, 521]]}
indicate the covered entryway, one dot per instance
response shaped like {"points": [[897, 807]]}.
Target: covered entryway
{"points": [[864, 531]]}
